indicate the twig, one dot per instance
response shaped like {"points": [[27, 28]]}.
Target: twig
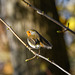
{"points": [[48, 17], [32, 50]]}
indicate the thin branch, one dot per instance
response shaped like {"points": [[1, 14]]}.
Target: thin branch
{"points": [[48, 17], [32, 50]]}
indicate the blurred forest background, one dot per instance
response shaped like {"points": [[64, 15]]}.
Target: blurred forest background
{"points": [[22, 18]]}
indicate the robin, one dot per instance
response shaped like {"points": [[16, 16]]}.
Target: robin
{"points": [[36, 40]]}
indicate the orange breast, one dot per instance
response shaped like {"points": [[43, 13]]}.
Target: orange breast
{"points": [[28, 33]]}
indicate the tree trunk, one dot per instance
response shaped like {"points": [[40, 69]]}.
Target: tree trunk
{"points": [[49, 29]]}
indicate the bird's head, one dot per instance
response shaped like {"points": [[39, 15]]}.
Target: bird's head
{"points": [[31, 32]]}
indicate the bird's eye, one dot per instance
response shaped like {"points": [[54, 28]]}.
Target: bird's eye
{"points": [[29, 31]]}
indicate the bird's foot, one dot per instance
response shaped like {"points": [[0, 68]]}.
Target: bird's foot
{"points": [[38, 53]]}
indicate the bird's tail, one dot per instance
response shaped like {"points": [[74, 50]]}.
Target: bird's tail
{"points": [[48, 47]]}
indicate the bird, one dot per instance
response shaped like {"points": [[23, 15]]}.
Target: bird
{"points": [[36, 40]]}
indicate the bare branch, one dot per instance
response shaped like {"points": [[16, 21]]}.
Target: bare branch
{"points": [[48, 17], [32, 50]]}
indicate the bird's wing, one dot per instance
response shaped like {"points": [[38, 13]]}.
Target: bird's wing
{"points": [[47, 44], [33, 41]]}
